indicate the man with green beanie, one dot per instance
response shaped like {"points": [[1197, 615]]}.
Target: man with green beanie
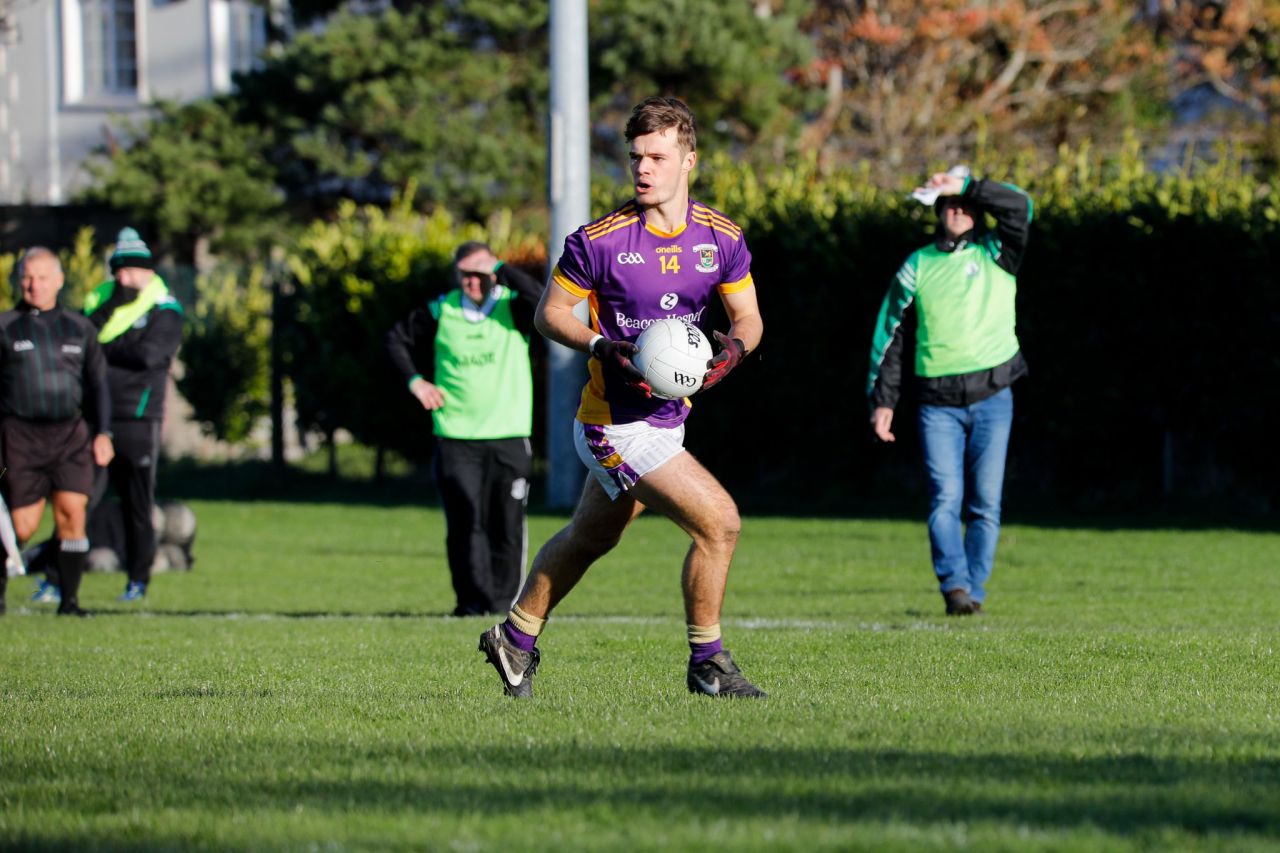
{"points": [[139, 326], [465, 358]]}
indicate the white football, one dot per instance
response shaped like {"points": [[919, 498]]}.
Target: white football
{"points": [[673, 356]]}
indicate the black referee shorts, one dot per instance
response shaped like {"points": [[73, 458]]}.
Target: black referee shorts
{"points": [[45, 457]]}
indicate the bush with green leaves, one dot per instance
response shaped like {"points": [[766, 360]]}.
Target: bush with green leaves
{"points": [[226, 352]]}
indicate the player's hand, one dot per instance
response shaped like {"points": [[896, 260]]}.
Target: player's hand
{"points": [[430, 396], [731, 353], [103, 450], [881, 423], [616, 357]]}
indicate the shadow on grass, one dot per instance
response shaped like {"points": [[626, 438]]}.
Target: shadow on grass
{"points": [[821, 791]]}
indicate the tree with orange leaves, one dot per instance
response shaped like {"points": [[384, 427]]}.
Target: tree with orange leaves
{"points": [[916, 82]]}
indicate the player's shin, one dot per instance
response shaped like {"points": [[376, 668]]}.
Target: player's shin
{"points": [[72, 557]]}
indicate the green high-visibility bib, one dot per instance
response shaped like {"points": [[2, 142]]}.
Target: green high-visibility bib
{"points": [[482, 366]]}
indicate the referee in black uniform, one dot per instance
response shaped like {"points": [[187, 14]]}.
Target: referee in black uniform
{"points": [[51, 372]]}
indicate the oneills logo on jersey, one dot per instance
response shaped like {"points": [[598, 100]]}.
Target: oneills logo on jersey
{"points": [[668, 301], [630, 258], [23, 346], [706, 257], [74, 349]]}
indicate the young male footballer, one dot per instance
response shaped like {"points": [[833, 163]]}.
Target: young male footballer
{"points": [[659, 255]]}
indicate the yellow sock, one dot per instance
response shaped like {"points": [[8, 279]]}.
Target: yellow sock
{"points": [[703, 634], [530, 625]]}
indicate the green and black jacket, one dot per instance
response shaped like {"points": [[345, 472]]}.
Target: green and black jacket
{"points": [[961, 293], [140, 332]]}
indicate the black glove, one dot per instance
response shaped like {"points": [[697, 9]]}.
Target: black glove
{"points": [[616, 357], [722, 362]]}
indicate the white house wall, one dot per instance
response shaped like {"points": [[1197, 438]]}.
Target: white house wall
{"points": [[48, 127]]}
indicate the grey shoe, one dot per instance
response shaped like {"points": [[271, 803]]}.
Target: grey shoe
{"points": [[515, 666], [718, 675]]}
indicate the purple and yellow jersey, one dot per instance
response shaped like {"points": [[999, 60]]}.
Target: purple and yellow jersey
{"points": [[632, 274]]}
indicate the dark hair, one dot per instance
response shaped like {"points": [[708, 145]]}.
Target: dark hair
{"points": [[654, 115], [470, 248]]}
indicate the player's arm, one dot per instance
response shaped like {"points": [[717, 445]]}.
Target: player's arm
{"points": [[745, 323], [746, 327], [556, 321]]}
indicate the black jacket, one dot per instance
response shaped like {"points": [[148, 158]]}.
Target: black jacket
{"points": [[411, 342], [51, 368], [138, 361]]}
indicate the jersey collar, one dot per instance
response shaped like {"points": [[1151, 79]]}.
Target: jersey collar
{"points": [[666, 235]]}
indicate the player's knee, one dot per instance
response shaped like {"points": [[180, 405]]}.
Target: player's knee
{"points": [[24, 530], [722, 529], [594, 544]]}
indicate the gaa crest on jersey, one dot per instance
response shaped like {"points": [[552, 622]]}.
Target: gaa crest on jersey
{"points": [[706, 257]]}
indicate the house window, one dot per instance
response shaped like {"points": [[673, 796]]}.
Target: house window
{"points": [[248, 36], [109, 34]]}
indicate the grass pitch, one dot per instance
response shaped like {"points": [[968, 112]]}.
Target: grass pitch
{"points": [[301, 689]]}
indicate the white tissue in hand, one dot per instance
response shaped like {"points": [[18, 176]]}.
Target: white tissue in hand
{"points": [[925, 195]]}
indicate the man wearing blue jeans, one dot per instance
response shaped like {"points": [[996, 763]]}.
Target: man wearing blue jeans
{"points": [[962, 288]]}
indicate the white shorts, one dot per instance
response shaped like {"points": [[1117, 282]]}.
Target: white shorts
{"points": [[619, 455]]}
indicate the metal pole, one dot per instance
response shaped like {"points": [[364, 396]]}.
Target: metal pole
{"points": [[569, 196]]}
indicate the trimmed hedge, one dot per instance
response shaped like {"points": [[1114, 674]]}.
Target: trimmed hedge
{"points": [[1148, 310]]}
